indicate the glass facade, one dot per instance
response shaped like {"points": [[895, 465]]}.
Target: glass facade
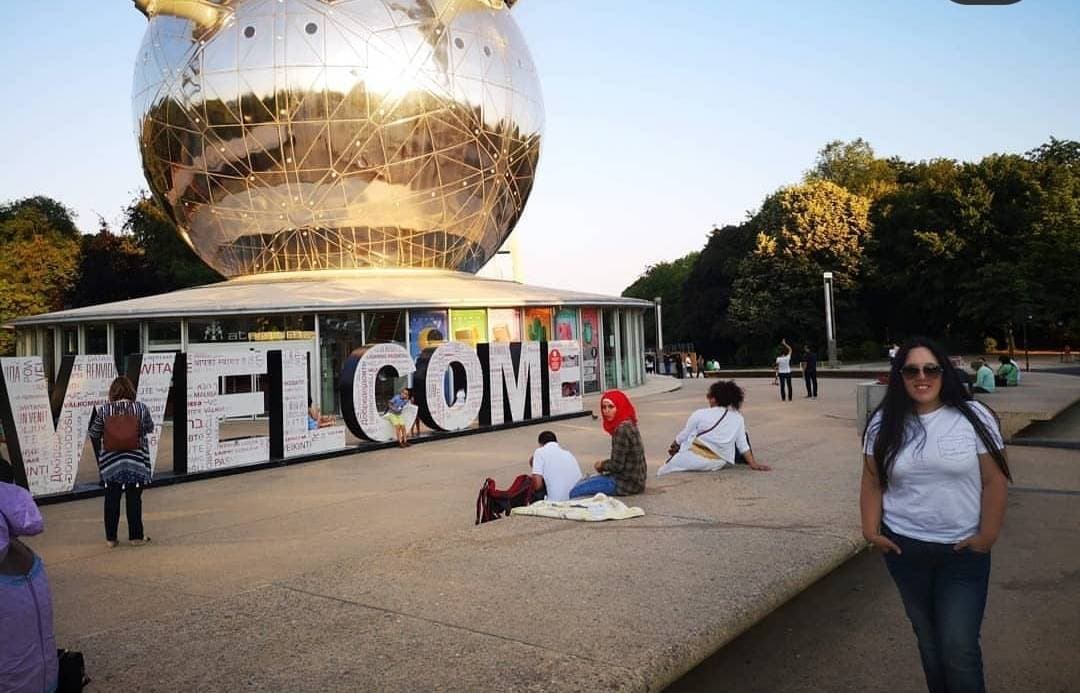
{"points": [[97, 339]]}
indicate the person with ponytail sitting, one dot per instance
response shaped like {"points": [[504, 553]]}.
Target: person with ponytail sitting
{"points": [[934, 488]]}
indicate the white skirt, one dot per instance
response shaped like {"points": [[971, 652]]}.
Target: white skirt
{"points": [[687, 461]]}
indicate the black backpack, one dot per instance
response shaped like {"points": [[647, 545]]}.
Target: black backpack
{"points": [[72, 672], [493, 503]]}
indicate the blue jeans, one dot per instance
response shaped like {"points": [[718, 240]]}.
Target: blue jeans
{"points": [[598, 483], [944, 595]]}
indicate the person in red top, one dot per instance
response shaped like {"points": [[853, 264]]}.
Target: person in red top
{"points": [[624, 473]]}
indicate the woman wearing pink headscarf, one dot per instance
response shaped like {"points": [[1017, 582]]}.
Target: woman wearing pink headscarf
{"points": [[27, 646], [624, 473]]}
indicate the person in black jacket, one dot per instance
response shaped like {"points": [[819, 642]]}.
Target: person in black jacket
{"points": [[809, 371]]}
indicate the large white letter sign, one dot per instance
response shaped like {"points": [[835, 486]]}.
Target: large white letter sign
{"points": [[357, 389], [49, 455], [431, 374], [564, 377], [206, 407], [513, 381], [299, 439], [155, 375]]}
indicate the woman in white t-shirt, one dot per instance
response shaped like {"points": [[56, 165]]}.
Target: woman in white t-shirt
{"points": [[783, 370], [713, 436], [934, 487]]}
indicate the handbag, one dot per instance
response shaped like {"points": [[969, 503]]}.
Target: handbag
{"points": [[121, 432], [698, 447]]}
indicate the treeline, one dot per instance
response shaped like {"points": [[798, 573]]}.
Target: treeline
{"points": [[972, 253], [46, 264]]}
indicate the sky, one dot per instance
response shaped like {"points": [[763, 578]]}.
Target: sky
{"points": [[663, 119]]}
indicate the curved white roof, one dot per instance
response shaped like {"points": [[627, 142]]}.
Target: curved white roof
{"points": [[333, 291]]}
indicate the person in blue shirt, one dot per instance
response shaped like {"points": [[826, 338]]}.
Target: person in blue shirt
{"points": [[984, 377], [394, 414]]}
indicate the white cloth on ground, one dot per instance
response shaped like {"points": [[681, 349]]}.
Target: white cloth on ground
{"points": [[596, 509]]}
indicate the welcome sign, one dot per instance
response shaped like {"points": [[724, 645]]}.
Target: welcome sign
{"points": [[495, 384]]}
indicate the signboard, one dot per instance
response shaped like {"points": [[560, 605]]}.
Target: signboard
{"points": [[564, 377], [299, 438], [469, 326], [537, 324], [49, 453], [206, 407], [590, 349], [427, 328], [501, 383], [566, 328], [504, 325]]}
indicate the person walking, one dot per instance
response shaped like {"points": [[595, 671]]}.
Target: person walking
{"points": [[118, 431], [933, 495], [624, 472], [809, 370], [782, 368]]}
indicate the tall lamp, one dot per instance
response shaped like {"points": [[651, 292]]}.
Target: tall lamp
{"points": [[830, 317], [659, 329]]}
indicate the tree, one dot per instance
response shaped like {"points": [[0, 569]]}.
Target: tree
{"points": [[800, 232], [707, 292], [39, 259], [173, 263], [854, 166], [112, 268], [665, 279]]}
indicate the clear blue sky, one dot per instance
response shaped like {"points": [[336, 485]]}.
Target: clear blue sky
{"points": [[663, 117]]}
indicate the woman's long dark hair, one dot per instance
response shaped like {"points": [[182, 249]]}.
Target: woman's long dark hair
{"points": [[898, 408]]}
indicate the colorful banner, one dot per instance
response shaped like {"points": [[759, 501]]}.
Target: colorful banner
{"points": [[469, 326], [427, 328], [566, 329], [590, 349], [537, 324], [505, 325]]}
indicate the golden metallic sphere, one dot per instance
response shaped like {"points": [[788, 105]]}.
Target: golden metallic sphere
{"points": [[286, 135]]}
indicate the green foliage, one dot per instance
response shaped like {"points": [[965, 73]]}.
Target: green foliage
{"points": [[172, 262], [666, 280], [961, 251]]}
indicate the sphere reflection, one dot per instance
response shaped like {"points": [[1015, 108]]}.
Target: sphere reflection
{"points": [[309, 134]]}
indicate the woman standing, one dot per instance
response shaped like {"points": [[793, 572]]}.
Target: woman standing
{"points": [[622, 474], [118, 431], [934, 487], [713, 436], [783, 370]]}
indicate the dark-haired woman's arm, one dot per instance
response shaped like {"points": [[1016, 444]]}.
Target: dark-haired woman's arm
{"points": [[870, 507], [995, 493]]}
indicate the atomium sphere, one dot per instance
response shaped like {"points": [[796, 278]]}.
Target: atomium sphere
{"points": [[286, 135]]}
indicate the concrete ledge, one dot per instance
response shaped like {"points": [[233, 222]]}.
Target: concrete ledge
{"points": [[366, 572]]}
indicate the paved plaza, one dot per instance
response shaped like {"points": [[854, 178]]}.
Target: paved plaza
{"points": [[366, 572]]}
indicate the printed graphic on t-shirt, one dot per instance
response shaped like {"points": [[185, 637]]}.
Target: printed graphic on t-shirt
{"points": [[955, 447]]}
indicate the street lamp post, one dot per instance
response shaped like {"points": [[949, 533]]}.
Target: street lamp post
{"points": [[830, 318], [1027, 356], [659, 331]]}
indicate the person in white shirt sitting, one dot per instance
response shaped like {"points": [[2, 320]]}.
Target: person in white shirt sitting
{"points": [[714, 437], [554, 470]]}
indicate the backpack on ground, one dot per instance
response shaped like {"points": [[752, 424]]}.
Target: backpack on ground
{"points": [[493, 503]]}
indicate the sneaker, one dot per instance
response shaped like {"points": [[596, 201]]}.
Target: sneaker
{"points": [[139, 542], [111, 543]]}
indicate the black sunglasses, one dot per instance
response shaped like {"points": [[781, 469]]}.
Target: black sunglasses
{"points": [[930, 370]]}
